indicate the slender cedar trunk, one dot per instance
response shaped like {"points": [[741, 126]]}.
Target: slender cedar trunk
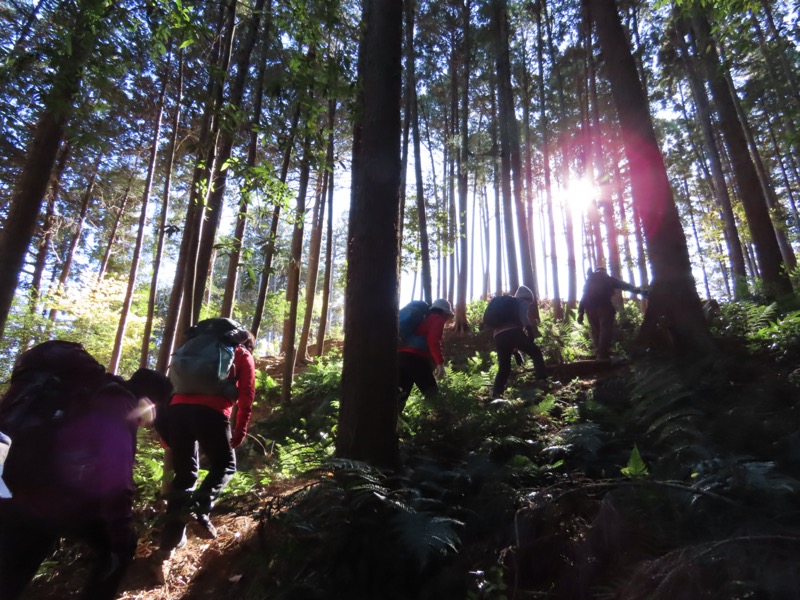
{"points": [[234, 261], [673, 299], [227, 134], [116, 352], [700, 253], [471, 293], [626, 227], [112, 237], [786, 76], [589, 155], [776, 210], [73, 245], [774, 277], [272, 236], [558, 311], [161, 231], [368, 413], [313, 266], [461, 324], [721, 194], [48, 226], [178, 313], [199, 263], [31, 185], [486, 248], [526, 115], [572, 274], [505, 104], [293, 282], [452, 219], [424, 243], [779, 157], [326, 285], [605, 201], [751, 261], [497, 185]]}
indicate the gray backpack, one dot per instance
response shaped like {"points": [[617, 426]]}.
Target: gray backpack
{"points": [[202, 365]]}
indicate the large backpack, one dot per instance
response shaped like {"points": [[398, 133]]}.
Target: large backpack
{"points": [[502, 310], [410, 318], [203, 363], [50, 384]]}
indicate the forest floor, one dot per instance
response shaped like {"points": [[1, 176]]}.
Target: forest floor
{"points": [[215, 568]]}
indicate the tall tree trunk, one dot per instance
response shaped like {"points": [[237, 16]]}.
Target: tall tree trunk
{"points": [[313, 266], [773, 274], [368, 413], [116, 352], [721, 194], [558, 311], [505, 104], [161, 231], [293, 283], [497, 185], [227, 134], [31, 186], [673, 298], [112, 236], [232, 278], [73, 245], [48, 224], [461, 324], [179, 311], [326, 285], [269, 249]]}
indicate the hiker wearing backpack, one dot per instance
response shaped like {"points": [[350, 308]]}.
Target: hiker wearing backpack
{"points": [[212, 372], [69, 468], [419, 358], [596, 304], [513, 333]]}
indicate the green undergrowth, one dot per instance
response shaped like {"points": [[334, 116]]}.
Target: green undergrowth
{"points": [[664, 478]]}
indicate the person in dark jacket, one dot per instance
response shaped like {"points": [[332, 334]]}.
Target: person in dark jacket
{"points": [[514, 336], [596, 304], [422, 367], [87, 492], [202, 422]]}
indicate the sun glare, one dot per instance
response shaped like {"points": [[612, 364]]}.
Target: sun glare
{"points": [[578, 193]]}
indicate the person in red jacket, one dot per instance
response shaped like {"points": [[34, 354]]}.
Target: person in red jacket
{"points": [[202, 421], [414, 364]]}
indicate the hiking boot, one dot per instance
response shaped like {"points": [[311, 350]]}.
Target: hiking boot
{"points": [[204, 528]]}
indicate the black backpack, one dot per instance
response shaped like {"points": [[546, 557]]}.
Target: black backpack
{"points": [[202, 364], [50, 384], [502, 310]]}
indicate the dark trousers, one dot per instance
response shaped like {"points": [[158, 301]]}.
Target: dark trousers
{"points": [[25, 543], [601, 322], [414, 370], [506, 342], [193, 427]]}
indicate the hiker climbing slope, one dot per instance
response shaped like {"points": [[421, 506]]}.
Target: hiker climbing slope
{"points": [[69, 468], [513, 332], [213, 371], [419, 359], [596, 304]]}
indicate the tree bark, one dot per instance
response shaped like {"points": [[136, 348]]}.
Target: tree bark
{"points": [[31, 186], [773, 273], [116, 352], [368, 413], [673, 299], [326, 285], [73, 245]]}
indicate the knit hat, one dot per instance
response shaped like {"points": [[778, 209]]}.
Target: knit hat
{"points": [[524, 293], [443, 305]]}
